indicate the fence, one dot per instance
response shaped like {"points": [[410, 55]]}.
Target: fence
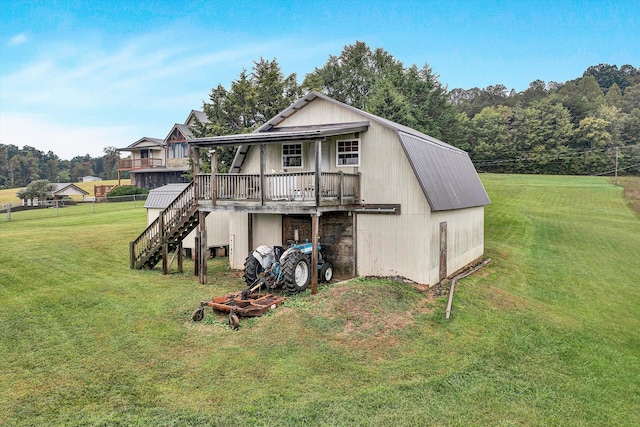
{"points": [[67, 208]]}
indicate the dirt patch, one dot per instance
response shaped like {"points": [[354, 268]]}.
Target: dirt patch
{"points": [[631, 191], [371, 312]]}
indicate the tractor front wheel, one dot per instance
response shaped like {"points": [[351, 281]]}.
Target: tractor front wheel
{"points": [[326, 272], [296, 272]]}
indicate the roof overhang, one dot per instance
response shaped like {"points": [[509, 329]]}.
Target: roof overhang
{"points": [[277, 135]]}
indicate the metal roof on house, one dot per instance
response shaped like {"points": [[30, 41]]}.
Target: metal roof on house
{"points": [[200, 115], [144, 142], [280, 134], [447, 177], [161, 197], [446, 174], [148, 170]]}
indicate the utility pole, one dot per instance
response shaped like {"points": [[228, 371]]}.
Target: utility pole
{"points": [[616, 175]]}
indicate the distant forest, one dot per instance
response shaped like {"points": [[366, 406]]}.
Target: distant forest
{"points": [[586, 126], [20, 166]]}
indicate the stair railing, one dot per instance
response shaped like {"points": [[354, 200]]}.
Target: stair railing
{"points": [[152, 238]]}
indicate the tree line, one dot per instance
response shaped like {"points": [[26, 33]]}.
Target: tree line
{"points": [[20, 166], [589, 125]]}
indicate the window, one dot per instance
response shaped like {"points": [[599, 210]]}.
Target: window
{"points": [[348, 152], [291, 156], [177, 150]]}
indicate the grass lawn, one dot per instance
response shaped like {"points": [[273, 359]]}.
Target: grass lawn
{"points": [[8, 195], [547, 334]]}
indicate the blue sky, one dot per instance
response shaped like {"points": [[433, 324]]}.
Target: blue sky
{"points": [[77, 76]]}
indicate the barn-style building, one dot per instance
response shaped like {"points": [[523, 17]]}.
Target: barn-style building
{"points": [[382, 198]]}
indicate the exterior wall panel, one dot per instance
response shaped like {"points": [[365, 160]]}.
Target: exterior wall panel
{"points": [[267, 230], [465, 239], [238, 241]]}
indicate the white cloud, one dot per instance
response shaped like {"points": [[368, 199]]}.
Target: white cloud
{"points": [[65, 141], [77, 97], [18, 39]]}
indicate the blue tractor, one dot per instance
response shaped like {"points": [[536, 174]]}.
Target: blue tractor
{"points": [[289, 268]]}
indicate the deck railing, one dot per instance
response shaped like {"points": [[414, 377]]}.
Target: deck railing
{"points": [[280, 187], [131, 164], [167, 221]]}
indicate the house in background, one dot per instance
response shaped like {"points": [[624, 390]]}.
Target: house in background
{"points": [[382, 198], [90, 178], [60, 191], [155, 162]]}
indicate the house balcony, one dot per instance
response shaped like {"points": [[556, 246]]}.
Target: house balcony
{"points": [[284, 192], [133, 164]]}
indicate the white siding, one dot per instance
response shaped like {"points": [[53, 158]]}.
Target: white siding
{"points": [[238, 239], [267, 230], [404, 245], [465, 239]]}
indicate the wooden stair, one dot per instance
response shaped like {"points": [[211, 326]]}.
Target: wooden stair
{"points": [[172, 225]]}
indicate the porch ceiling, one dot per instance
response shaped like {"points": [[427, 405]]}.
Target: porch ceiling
{"points": [[276, 135]]}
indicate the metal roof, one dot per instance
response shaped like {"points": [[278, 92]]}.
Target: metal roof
{"points": [[150, 142], [147, 170], [161, 197], [200, 115], [276, 135], [447, 177]]}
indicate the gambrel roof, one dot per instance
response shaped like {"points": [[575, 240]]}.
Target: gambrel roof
{"points": [[445, 173]]}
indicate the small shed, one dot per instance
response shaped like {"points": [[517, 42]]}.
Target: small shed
{"points": [[90, 178], [66, 189], [217, 222]]}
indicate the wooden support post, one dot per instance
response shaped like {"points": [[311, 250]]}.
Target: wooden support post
{"points": [[263, 163], [132, 255], [165, 258], [195, 158], [203, 247], [315, 223], [180, 263], [250, 231], [318, 146], [341, 194], [196, 254], [214, 176]]}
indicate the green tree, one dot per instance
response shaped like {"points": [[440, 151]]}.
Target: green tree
{"points": [[352, 76], [252, 99], [614, 96], [385, 101], [492, 146], [80, 169], [110, 162], [631, 98], [39, 189]]}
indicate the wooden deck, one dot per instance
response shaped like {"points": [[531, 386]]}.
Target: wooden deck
{"points": [[284, 192]]}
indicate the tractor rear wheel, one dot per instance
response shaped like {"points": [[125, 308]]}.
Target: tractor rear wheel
{"points": [[296, 272], [252, 268]]}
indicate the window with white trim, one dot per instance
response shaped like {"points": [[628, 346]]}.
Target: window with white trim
{"points": [[348, 152], [291, 156]]}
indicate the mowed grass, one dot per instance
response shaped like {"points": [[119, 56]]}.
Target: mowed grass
{"points": [[8, 195], [546, 334]]}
